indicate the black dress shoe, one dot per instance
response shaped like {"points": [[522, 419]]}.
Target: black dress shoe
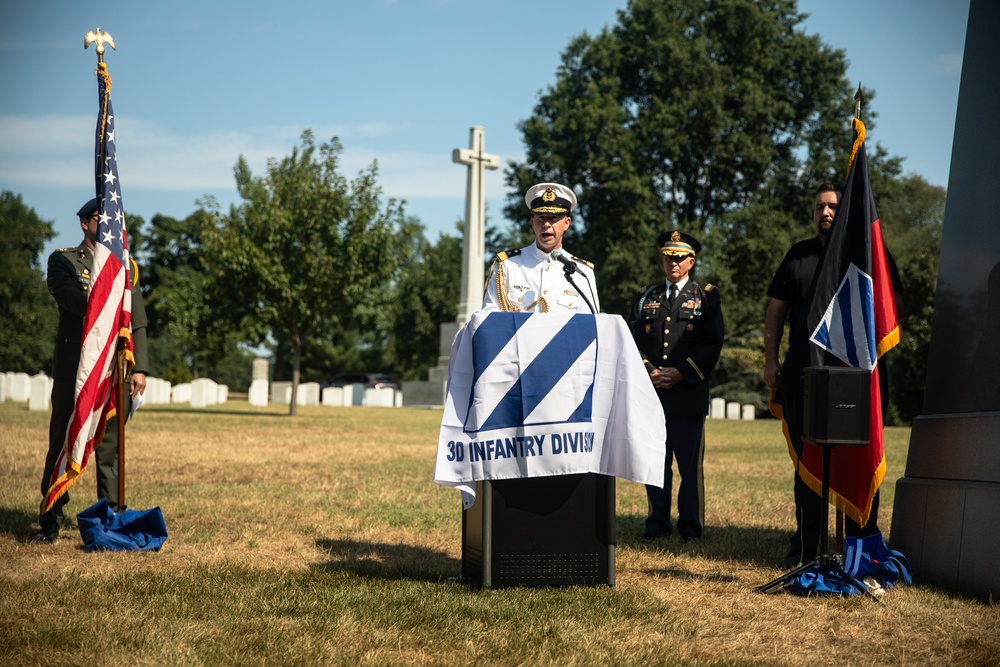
{"points": [[47, 535]]}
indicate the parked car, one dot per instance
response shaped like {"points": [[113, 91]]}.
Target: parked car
{"points": [[376, 380]]}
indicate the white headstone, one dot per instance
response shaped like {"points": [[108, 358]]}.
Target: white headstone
{"points": [[181, 393], [749, 412], [474, 241], [203, 392], [222, 393], [3, 387], [383, 397], [258, 393], [41, 389], [333, 396], [308, 393], [732, 410], [718, 408], [354, 395], [158, 391], [20, 387], [281, 393], [151, 394]]}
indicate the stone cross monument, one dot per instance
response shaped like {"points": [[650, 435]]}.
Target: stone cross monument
{"points": [[432, 391], [473, 247]]}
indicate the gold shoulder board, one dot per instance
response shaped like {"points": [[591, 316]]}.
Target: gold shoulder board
{"points": [[507, 254]]}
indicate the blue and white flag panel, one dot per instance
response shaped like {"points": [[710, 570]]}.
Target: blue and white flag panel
{"points": [[527, 372], [537, 394], [847, 329]]}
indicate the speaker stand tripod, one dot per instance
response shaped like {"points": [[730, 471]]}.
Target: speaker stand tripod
{"points": [[826, 563]]}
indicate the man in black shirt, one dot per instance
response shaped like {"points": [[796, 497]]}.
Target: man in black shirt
{"points": [[788, 291]]}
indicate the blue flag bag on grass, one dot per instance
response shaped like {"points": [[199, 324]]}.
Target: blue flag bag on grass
{"points": [[818, 581], [865, 558], [870, 557], [103, 529]]}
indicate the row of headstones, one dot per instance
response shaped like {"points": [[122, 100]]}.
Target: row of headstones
{"points": [[309, 393], [721, 409], [34, 390], [37, 391], [203, 392], [200, 393]]}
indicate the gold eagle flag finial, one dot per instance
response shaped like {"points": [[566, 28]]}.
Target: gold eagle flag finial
{"points": [[100, 38]]}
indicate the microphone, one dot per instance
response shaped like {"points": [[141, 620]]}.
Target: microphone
{"points": [[567, 262], [570, 267]]}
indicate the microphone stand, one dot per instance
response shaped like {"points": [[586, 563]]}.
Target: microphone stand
{"points": [[569, 270]]}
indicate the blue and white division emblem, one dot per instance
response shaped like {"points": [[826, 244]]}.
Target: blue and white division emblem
{"points": [[528, 372], [847, 329]]}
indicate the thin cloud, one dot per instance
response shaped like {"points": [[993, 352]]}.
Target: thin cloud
{"points": [[53, 151]]}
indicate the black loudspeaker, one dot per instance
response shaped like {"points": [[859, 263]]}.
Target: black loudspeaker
{"points": [[836, 405], [541, 531]]}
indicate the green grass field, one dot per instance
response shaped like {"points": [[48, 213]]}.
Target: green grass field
{"points": [[322, 539]]}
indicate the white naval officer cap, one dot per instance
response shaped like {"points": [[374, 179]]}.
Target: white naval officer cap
{"points": [[550, 198]]}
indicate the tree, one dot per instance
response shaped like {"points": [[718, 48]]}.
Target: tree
{"points": [[193, 334], [28, 315], [718, 117], [307, 251], [682, 113], [428, 292]]}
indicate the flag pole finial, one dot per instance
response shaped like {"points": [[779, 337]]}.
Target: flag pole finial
{"points": [[857, 126], [100, 38]]}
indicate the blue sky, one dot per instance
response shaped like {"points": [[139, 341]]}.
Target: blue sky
{"points": [[196, 84]]}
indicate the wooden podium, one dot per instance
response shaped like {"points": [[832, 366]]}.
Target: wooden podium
{"points": [[541, 531]]}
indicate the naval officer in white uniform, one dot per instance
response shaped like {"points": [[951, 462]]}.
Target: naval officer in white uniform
{"points": [[533, 279]]}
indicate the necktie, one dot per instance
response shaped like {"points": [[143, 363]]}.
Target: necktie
{"points": [[673, 295]]}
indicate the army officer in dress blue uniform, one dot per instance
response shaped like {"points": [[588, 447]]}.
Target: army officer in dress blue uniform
{"points": [[68, 280], [678, 328], [532, 279]]}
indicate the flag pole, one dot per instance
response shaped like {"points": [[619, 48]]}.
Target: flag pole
{"points": [[100, 38], [122, 413], [859, 98]]}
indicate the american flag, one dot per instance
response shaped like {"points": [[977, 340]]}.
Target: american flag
{"points": [[109, 312]]}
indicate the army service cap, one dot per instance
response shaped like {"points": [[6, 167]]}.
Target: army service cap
{"points": [[550, 198], [678, 244]]}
